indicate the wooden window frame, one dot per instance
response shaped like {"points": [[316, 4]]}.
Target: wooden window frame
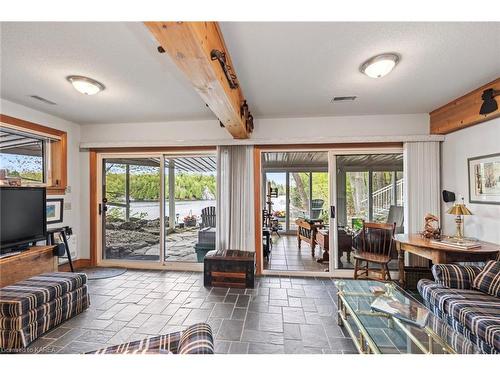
{"points": [[57, 155]]}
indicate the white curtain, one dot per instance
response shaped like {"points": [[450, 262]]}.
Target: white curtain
{"points": [[235, 198], [422, 188]]}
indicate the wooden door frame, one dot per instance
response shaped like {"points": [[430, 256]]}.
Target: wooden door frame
{"points": [[93, 181], [257, 157]]}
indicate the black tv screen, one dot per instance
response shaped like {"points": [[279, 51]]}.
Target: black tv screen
{"points": [[23, 215]]}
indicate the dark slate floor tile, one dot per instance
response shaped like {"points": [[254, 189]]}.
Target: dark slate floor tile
{"points": [[238, 347], [344, 344], [314, 336], [291, 331], [293, 315], [222, 347], [222, 310], [231, 298], [230, 330], [239, 314], [260, 348]]}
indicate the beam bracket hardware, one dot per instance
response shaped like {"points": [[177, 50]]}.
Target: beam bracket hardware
{"points": [[247, 117], [161, 49], [221, 57], [221, 124]]}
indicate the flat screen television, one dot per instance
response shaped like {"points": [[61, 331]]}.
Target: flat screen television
{"points": [[23, 216]]}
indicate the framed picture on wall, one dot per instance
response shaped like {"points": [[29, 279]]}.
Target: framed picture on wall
{"points": [[55, 210], [484, 179]]}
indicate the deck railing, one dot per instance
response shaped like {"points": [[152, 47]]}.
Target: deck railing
{"points": [[382, 199]]}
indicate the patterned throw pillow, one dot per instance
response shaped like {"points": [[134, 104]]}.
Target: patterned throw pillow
{"points": [[455, 276], [488, 280]]}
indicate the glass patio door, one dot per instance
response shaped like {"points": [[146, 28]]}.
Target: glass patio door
{"points": [[365, 185], [189, 201], [157, 209], [130, 209]]}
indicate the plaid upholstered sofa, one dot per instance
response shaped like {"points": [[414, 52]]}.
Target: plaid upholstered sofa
{"points": [[468, 299], [196, 339]]}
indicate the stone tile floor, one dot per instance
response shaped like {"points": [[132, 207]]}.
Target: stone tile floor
{"points": [[281, 315]]}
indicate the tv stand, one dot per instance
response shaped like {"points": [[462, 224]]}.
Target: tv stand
{"points": [[30, 262]]}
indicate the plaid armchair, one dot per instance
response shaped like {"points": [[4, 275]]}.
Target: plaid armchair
{"points": [[197, 339], [458, 297]]}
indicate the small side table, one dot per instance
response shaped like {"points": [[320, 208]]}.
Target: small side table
{"points": [[229, 268], [62, 233]]}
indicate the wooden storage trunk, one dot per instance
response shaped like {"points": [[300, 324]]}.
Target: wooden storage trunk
{"points": [[229, 268]]}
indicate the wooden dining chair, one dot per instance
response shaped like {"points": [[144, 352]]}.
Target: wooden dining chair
{"points": [[375, 247]]}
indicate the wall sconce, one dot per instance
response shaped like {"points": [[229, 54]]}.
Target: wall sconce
{"points": [[489, 103]]}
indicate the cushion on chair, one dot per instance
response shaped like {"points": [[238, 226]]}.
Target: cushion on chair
{"points": [[454, 275], [488, 280], [21, 297]]}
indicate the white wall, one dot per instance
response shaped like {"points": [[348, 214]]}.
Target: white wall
{"points": [[291, 130], [71, 217], [296, 130], [482, 139]]}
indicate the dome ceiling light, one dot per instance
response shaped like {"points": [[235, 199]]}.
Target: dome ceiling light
{"points": [[85, 85], [380, 65]]}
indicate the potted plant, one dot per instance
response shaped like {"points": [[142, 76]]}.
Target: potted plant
{"points": [[190, 220]]}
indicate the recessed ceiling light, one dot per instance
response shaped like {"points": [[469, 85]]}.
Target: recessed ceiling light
{"points": [[380, 65], [85, 85]]}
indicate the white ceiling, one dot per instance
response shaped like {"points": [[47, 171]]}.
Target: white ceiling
{"points": [[141, 84], [285, 69], [294, 69]]}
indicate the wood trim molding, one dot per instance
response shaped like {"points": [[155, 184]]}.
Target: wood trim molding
{"points": [[152, 149], [31, 126], [189, 45], [257, 209], [57, 181], [463, 112], [78, 263], [93, 206]]}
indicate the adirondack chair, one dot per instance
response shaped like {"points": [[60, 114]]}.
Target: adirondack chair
{"points": [[208, 217]]}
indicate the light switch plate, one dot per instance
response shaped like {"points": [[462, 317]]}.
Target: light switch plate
{"points": [[67, 205]]}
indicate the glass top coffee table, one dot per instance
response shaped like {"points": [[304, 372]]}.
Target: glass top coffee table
{"points": [[377, 332]]}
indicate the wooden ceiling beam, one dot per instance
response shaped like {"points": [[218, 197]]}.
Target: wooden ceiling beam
{"points": [[463, 112], [190, 45]]}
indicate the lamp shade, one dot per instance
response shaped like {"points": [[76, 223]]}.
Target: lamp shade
{"points": [[459, 209]]}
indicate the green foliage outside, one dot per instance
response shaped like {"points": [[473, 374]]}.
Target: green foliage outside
{"points": [[146, 186], [299, 195], [25, 175]]}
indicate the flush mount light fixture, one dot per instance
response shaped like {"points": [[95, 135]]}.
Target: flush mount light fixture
{"points": [[380, 65], [85, 85]]}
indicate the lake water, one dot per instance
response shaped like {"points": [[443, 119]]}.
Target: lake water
{"points": [[183, 208]]}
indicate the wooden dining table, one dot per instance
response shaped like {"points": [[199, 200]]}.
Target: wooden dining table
{"points": [[440, 253]]}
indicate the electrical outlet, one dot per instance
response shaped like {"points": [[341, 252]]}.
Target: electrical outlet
{"points": [[67, 205]]}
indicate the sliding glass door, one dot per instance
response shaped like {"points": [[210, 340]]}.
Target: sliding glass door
{"points": [[131, 209], [190, 190], [365, 186], [157, 209]]}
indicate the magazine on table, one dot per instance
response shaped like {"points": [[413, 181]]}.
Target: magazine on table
{"points": [[410, 313]]}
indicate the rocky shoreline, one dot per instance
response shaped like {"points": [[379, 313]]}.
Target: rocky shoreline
{"points": [[140, 239]]}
